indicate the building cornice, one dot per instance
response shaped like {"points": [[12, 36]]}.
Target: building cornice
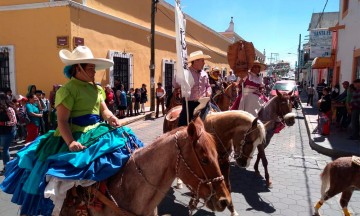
{"points": [[99, 13]]}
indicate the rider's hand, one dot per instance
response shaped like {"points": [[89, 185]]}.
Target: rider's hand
{"points": [[114, 121], [76, 146]]}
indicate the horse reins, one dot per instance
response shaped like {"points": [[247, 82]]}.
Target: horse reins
{"points": [[242, 143], [206, 181]]}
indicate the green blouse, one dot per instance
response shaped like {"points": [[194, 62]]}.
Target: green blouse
{"points": [[80, 98]]}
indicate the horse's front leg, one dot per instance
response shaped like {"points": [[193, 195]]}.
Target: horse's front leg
{"points": [[225, 170], [264, 161], [256, 165]]}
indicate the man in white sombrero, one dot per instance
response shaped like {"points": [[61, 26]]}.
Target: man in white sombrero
{"points": [[251, 98], [201, 87]]}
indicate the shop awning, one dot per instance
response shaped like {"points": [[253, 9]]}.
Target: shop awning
{"points": [[322, 62]]}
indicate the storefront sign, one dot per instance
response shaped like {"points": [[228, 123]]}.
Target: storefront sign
{"points": [[78, 41], [62, 41], [320, 43]]}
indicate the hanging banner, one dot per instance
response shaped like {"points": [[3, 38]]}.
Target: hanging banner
{"points": [[320, 43], [182, 74]]}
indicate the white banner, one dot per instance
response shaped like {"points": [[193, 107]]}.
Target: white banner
{"points": [[320, 43], [182, 74]]}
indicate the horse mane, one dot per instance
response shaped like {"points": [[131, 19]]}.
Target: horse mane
{"points": [[242, 114]]}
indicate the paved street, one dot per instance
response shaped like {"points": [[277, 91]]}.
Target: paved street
{"points": [[293, 166]]}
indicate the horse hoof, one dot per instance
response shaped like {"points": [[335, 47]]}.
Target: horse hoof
{"points": [[234, 213], [269, 184]]}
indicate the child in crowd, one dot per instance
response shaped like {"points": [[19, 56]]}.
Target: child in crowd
{"points": [[324, 111], [121, 100], [130, 97], [137, 97]]}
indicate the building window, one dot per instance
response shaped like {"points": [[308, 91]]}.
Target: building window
{"points": [[168, 75], [357, 67], [345, 7], [4, 69], [122, 69]]}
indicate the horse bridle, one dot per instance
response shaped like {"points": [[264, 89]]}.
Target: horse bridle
{"points": [[281, 115], [206, 181], [242, 143]]}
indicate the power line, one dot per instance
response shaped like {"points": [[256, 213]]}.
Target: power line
{"points": [[204, 45], [321, 14]]}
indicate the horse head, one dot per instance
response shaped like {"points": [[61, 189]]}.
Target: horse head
{"points": [[199, 168], [245, 147], [284, 107]]}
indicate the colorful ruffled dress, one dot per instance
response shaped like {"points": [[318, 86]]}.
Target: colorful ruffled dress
{"points": [[250, 100], [48, 156]]}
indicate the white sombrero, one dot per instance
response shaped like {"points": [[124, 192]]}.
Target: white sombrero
{"points": [[83, 54], [262, 65], [197, 55]]}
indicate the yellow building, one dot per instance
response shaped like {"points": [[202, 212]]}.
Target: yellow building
{"points": [[33, 31]]}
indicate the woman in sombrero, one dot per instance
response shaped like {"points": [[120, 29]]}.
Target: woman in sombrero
{"points": [[250, 98], [82, 148]]}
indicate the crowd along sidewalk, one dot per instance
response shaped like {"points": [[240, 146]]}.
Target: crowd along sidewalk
{"points": [[336, 144], [131, 119]]}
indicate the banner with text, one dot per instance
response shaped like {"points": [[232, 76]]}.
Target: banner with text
{"points": [[182, 74]]}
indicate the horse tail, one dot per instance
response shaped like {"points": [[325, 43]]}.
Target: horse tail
{"points": [[262, 131], [325, 179]]}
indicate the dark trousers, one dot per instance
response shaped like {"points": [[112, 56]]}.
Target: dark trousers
{"points": [[355, 114], [158, 102], [310, 99], [342, 117], [46, 121], [320, 94], [183, 117]]}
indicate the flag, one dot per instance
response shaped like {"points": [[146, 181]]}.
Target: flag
{"points": [[182, 74]]}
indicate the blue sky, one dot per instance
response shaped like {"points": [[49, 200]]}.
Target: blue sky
{"points": [[273, 25]]}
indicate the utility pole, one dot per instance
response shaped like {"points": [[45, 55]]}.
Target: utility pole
{"points": [[152, 59], [299, 58]]}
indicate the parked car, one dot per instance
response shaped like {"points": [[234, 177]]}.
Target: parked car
{"points": [[285, 86]]}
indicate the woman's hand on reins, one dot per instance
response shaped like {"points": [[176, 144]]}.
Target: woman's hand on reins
{"points": [[114, 121], [75, 146]]}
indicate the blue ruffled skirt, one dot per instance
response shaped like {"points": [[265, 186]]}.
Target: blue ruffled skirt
{"points": [[104, 156]]}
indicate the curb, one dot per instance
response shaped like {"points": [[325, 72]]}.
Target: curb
{"points": [[322, 149], [127, 121]]}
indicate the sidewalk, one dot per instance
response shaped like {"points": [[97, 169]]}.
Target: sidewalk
{"points": [[336, 144], [147, 115]]}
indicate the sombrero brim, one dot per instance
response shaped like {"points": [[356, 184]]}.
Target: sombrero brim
{"points": [[100, 63], [199, 57], [262, 66]]}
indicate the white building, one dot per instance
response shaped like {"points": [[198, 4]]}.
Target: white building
{"points": [[347, 65]]}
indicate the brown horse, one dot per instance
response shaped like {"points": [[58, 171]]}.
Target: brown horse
{"points": [[225, 98], [341, 175], [276, 111], [235, 129], [188, 153]]}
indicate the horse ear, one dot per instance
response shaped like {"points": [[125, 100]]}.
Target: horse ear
{"points": [[278, 93], [192, 128], [254, 123], [290, 93]]}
